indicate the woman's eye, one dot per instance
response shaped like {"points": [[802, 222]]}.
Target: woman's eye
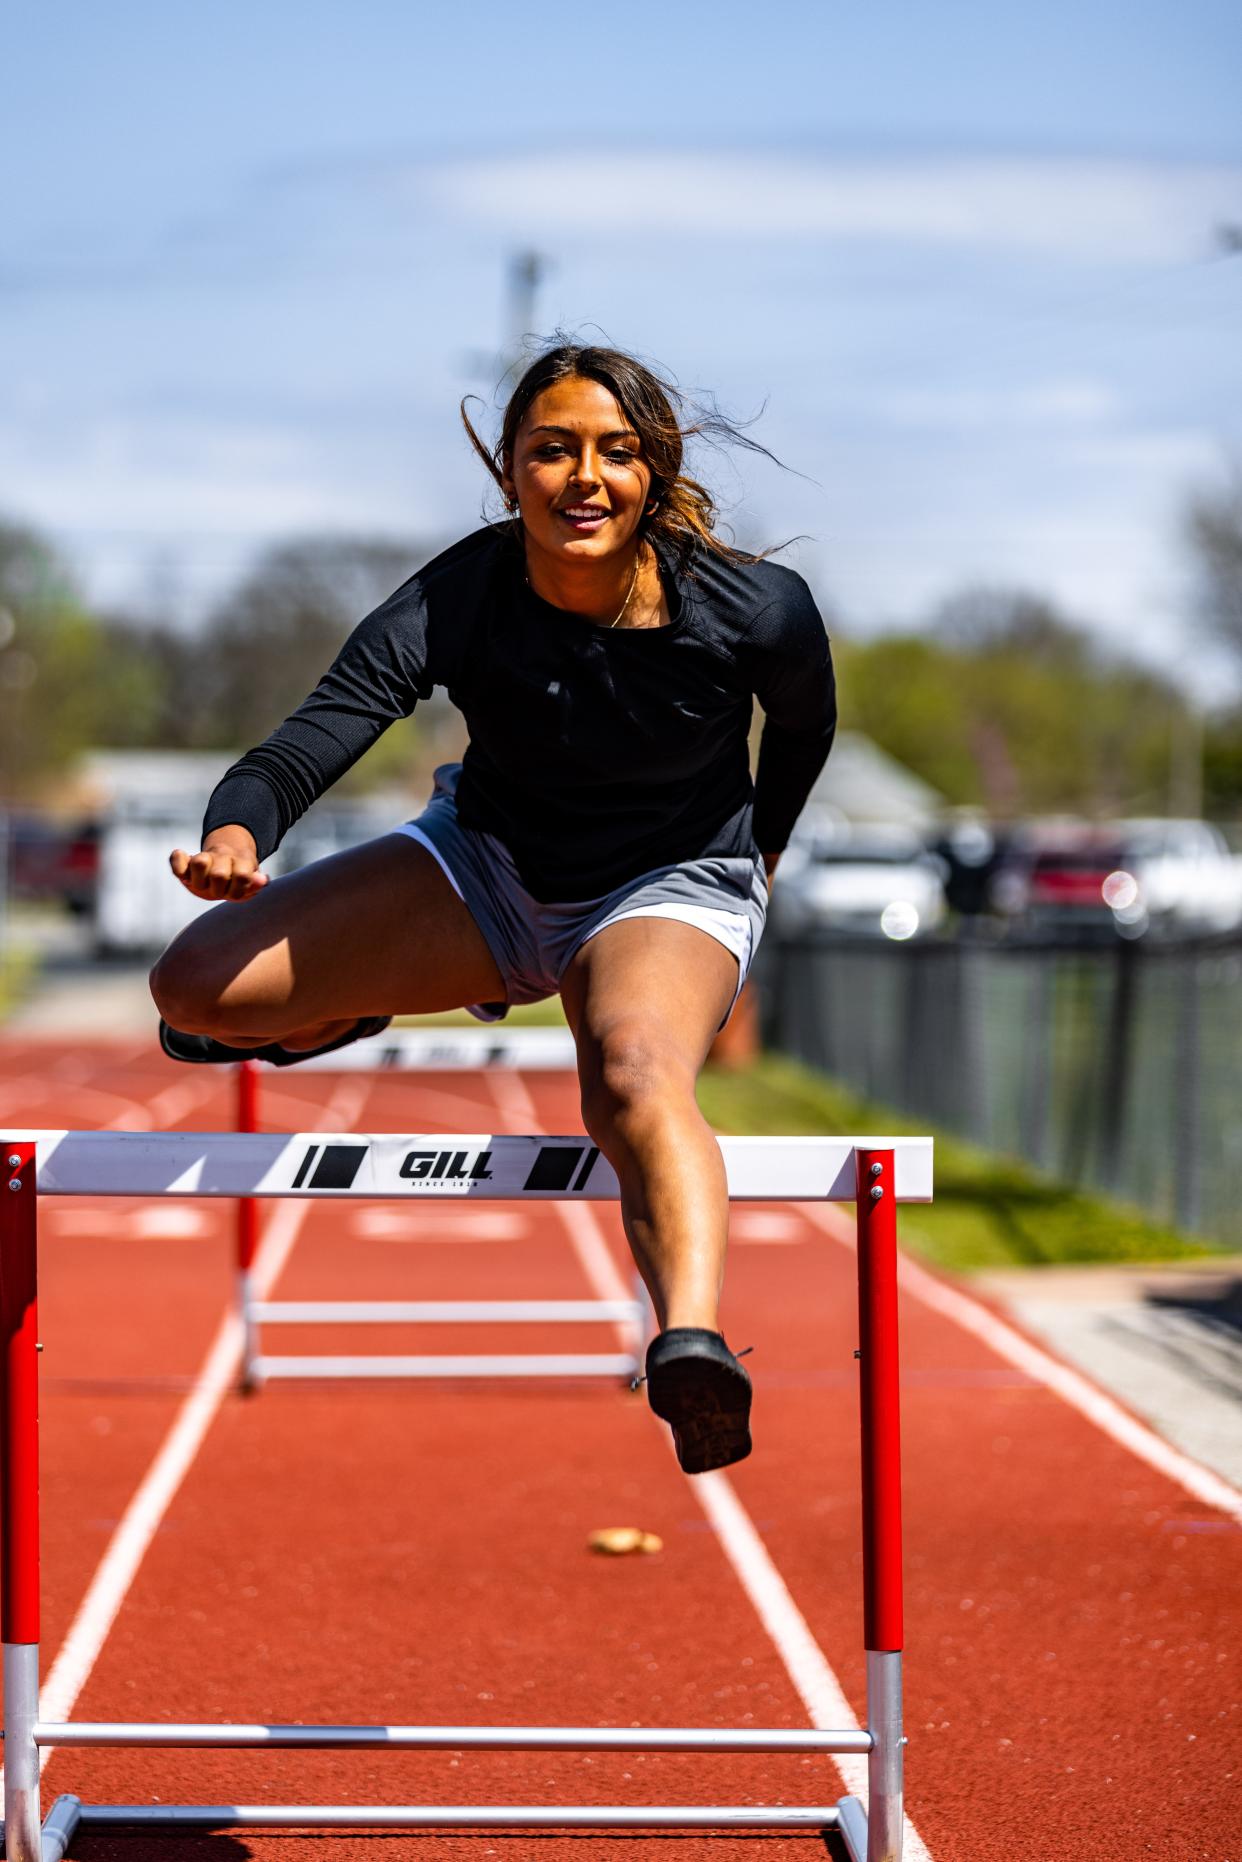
{"points": [[621, 457], [550, 451]]}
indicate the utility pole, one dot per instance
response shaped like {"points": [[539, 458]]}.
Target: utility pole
{"points": [[524, 273], [527, 270], [1186, 761]]}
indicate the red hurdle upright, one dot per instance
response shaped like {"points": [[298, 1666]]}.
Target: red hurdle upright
{"points": [[873, 1173], [247, 1226]]}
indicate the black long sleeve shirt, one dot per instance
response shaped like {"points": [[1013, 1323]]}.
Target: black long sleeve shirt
{"points": [[595, 754]]}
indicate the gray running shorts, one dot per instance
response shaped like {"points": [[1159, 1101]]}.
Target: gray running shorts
{"points": [[726, 897]]}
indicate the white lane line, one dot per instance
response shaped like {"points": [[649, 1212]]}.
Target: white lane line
{"points": [[165, 1220], [595, 1257], [69, 1070], [381, 1222], [1071, 1386], [175, 1102], [805, 1662], [788, 1630], [133, 1116], [276, 1107], [145, 1512]]}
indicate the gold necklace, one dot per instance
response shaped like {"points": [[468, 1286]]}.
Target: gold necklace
{"points": [[628, 593]]}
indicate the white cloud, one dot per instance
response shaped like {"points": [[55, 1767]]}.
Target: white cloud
{"points": [[1178, 453], [1097, 209], [1057, 403]]}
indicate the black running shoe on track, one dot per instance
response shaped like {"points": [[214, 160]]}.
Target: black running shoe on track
{"points": [[201, 1049], [697, 1385]]}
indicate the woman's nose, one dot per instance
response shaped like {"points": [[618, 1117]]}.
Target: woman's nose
{"points": [[585, 470]]}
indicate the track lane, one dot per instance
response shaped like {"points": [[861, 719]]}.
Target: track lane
{"points": [[113, 1370], [483, 1586], [1073, 1676], [1067, 1606]]}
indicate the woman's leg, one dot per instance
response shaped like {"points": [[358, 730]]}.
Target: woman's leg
{"points": [[645, 998], [376, 930]]}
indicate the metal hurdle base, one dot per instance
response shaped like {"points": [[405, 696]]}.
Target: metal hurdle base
{"points": [[635, 1317], [874, 1838], [69, 1814]]}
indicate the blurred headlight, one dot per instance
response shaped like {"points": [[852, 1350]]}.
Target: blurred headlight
{"points": [[899, 919], [1120, 890]]}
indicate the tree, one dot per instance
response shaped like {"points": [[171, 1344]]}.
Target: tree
{"points": [[1005, 701], [60, 686], [267, 643], [1213, 525]]}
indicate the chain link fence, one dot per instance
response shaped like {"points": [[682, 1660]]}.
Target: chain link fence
{"points": [[1115, 1067]]}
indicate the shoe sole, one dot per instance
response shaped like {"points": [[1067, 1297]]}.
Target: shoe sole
{"points": [[707, 1405], [203, 1051]]}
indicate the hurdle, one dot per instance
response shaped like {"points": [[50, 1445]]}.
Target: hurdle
{"points": [[874, 1173], [419, 1050]]}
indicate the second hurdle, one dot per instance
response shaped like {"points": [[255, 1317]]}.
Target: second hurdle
{"points": [[421, 1051], [873, 1172]]}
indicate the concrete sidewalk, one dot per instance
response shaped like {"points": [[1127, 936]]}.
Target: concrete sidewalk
{"points": [[1167, 1341], [99, 1002]]}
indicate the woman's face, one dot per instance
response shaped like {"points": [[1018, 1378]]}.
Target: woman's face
{"points": [[577, 472]]}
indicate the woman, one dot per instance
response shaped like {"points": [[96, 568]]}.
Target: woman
{"points": [[601, 838]]}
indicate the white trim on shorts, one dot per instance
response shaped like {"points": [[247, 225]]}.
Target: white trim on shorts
{"points": [[732, 929], [424, 840]]}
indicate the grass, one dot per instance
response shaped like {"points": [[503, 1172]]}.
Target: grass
{"points": [[547, 1014], [17, 967], [989, 1210]]}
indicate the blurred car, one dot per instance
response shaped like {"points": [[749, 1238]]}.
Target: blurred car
{"points": [[52, 861], [876, 882], [1130, 878]]}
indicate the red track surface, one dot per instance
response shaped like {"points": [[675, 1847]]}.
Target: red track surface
{"points": [[418, 1554]]}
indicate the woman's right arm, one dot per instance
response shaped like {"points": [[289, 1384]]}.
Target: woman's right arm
{"points": [[376, 678]]}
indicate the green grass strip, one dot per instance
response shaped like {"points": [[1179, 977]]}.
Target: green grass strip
{"points": [[547, 1014], [989, 1210]]}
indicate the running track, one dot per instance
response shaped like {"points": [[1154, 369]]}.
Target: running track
{"points": [[413, 1553]]}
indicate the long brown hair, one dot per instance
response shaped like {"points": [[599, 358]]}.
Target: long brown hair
{"points": [[685, 511]]}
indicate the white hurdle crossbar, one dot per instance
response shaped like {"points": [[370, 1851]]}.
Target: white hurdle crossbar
{"points": [[425, 1050], [874, 1173]]}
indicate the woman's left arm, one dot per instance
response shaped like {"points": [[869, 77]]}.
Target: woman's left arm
{"points": [[791, 670]]}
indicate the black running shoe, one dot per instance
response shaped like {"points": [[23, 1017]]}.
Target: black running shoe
{"points": [[697, 1385], [202, 1049]]}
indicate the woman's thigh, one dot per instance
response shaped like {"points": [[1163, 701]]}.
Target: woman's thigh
{"points": [[647, 996], [376, 930]]}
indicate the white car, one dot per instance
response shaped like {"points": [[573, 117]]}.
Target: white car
{"points": [[1175, 877], [861, 882]]}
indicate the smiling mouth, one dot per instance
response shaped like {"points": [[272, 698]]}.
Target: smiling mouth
{"points": [[583, 514]]}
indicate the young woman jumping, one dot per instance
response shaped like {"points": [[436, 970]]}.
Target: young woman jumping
{"points": [[601, 837]]}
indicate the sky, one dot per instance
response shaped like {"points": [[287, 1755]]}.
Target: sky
{"points": [[963, 264]]}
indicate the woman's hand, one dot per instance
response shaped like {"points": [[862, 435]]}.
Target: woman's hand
{"points": [[227, 867]]}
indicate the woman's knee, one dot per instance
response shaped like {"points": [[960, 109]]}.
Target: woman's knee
{"points": [[635, 1073], [189, 981], [179, 991]]}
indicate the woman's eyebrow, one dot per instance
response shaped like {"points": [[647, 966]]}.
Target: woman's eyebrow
{"points": [[621, 433]]}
